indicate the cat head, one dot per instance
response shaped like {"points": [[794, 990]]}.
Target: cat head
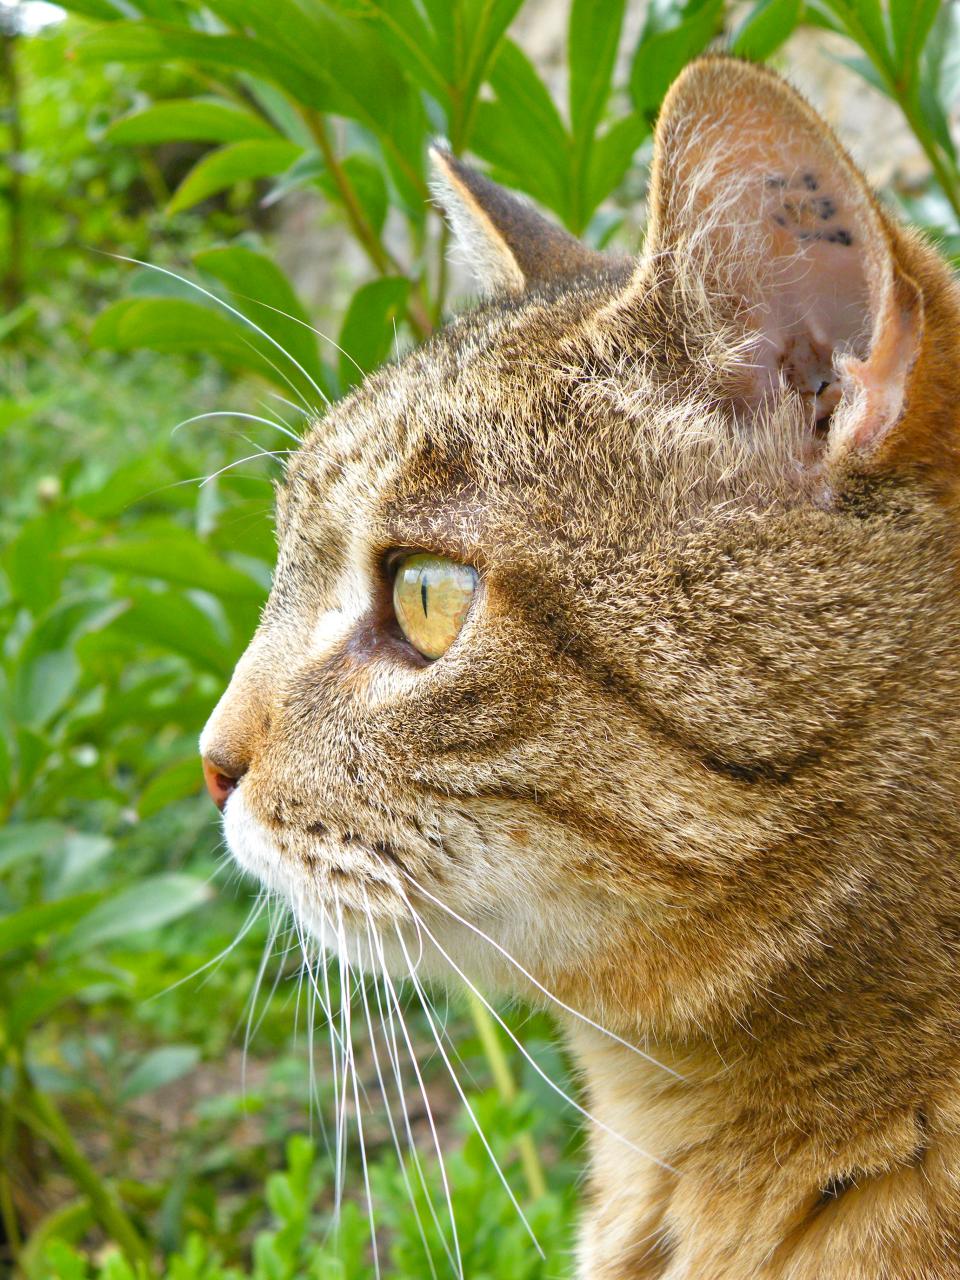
{"points": [[583, 610]]}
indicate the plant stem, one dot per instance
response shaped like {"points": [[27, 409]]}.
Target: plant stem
{"points": [[506, 1087], [417, 313], [39, 1113], [8, 1210], [359, 223], [949, 182]]}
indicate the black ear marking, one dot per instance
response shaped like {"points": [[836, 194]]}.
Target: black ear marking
{"points": [[802, 211]]}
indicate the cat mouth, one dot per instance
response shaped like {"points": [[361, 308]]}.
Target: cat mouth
{"points": [[318, 870]]}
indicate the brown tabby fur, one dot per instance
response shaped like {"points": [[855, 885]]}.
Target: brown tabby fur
{"points": [[695, 758]]}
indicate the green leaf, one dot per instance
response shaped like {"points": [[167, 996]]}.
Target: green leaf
{"points": [[673, 34], [157, 1068], [515, 81], [188, 120], [864, 22], [867, 69], [21, 841], [262, 292], [304, 172], [414, 45], [33, 750], [42, 686], [484, 23], [168, 620], [35, 923], [612, 156], [368, 327], [47, 670], [942, 58], [254, 158], [58, 1261], [280, 109], [594, 35], [766, 27], [32, 563], [148, 904], [521, 134], [39, 999], [70, 618], [359, 75], [139, 41], [137, 480], [910, 23], [517, 161], [82, 853], [6, 766], [173, 324], [103, 10], [185, 778], [366, 178], [173, 555]]}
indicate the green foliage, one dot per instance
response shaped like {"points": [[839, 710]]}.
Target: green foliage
{"points": [[295, 92], [907, 49], [288, 1249], [134, 560]]}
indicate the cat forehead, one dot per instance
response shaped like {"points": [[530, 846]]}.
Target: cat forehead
{"points": [[534, 409]]}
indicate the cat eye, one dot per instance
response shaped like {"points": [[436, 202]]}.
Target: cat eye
{"points": [[431, 599]]}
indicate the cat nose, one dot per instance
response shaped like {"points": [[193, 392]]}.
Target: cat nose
{"points": [[220, 783]]}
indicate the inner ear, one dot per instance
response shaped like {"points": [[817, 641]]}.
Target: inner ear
{"points": [[810, 294], [755, 200]]}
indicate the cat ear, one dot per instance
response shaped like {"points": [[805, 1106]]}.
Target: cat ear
{"points": [[753, 200], [509, 246]]}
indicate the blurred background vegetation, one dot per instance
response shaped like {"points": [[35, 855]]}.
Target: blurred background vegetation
{"points": [[266, 158]]}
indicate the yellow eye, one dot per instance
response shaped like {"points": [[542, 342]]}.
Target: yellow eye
{"points": [[431, 598]]}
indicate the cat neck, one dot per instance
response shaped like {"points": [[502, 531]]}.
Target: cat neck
{"points": [[829, 1114]]}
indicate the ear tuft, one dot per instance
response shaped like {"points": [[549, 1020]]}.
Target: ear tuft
{"points": [[507, 243]]}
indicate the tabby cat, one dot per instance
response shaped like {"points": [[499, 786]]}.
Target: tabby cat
{"points": [[612, 653]]}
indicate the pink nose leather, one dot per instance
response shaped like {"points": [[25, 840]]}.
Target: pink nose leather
{"points": [[219, 784]]}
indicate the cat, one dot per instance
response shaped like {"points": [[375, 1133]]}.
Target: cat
{"points": [[612, 653]]}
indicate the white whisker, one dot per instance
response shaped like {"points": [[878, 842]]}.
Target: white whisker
{"points": [[234, 311], [342, 942], [297, 408], [256, 911], [392, 993], [305, 325], [261, 453], [582, 1017], [340, 1080], [466, 1102], [264, 961], [393, 1053], [386, 1103], [536, 1066], [236, 413]]}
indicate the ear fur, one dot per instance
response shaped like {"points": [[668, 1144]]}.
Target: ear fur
{"points": [[509, 246], [755, 204]]}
